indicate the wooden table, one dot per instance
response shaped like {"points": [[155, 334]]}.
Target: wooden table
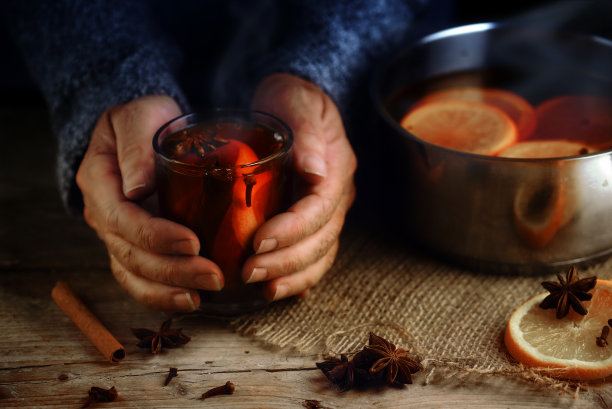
{"points": [[47, 362]]}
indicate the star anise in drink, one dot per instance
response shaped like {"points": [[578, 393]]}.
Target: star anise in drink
{"points": [[568, 292], [166, 337], [396, 365], [195, 141]]}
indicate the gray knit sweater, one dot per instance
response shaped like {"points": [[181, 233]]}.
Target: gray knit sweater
{"points": [[88, 55]]}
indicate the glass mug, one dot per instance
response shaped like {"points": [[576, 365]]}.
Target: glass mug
{"points": [[222, 174]]}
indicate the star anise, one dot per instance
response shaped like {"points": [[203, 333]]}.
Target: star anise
{"points": [[164, 338], [339, 371], [379, 362], [568, 292], [396, 365], [98, 395], [348, 373], [194, 140]]}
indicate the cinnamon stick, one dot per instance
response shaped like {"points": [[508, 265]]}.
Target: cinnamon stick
{"points": [[87, 322]]}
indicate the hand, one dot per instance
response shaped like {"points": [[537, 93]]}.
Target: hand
{"points": [[154, 259], [296, 248]]}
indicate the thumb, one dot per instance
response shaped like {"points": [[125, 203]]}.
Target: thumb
{"points": [[135, 124]]}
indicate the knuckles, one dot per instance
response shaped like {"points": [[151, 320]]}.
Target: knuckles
{"points": [[146, 236]]}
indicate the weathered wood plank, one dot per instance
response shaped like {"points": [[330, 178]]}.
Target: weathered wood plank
{"points": [[257, 387], [40, 244], [41, 344]]}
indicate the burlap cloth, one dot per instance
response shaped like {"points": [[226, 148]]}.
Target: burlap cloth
{"points": [[452, 318]]}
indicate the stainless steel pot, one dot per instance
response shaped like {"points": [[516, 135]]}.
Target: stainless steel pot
{"points": [[515, 215]]}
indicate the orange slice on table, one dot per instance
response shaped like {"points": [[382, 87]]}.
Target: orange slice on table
{"points": [[545, 149], [462, 125], [567, 347], [580, 118], [515, 106]]}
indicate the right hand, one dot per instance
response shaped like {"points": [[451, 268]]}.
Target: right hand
{"points": [[294, 249], [154, 259]]}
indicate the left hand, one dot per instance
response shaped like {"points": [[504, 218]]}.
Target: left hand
{"points": [[296, 248]]}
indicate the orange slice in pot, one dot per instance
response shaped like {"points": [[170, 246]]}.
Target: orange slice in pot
{"points": [[541, 149], [539, 211], [581, 118], [567, 347], [462, 125], [515, 106]]}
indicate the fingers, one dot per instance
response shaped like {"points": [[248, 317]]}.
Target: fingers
{"points": [[310, 213], [306, 216], [297, 257], [154, 259], [154, 234], [153, 294], [182, 271], [322, 153], [137, 124], [298, 284], [107, 210], [295, 248]]}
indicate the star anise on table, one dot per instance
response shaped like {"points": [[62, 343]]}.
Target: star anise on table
{"points": [[378, 362], [164, 338], [396, 365], [568, 292], [100, 395], [343, 372]]}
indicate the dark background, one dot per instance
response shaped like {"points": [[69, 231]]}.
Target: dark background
{"points": [[17, 89]]}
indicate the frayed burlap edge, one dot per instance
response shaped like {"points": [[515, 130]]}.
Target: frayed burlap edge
{"points": [[374, 287]]}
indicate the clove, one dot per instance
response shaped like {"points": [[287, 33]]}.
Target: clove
{"points": [[226, 389], [602, 340]]}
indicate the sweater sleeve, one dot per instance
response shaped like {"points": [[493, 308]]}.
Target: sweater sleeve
{"points": [[331, 43], [88, 55]]}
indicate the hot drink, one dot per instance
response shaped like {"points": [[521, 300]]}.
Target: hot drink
{"points": [[223, 175]]}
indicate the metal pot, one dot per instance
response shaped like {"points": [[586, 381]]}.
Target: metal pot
{"points": [[515, 215]]}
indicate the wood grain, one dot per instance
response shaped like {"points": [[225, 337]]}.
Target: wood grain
{"points": [[46, 362]]}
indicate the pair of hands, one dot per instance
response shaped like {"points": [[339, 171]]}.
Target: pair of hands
{"points": [[157, 260]]}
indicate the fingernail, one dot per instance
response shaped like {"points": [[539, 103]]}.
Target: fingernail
{"points": [[258, 274], [187, 247], [281, 291], [184, 301], [208, 282], [133, 181], [267, 245], [315, 165], [190, 301]]}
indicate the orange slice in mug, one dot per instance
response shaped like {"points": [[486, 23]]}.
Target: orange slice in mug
{"points": [[515, 106], [243, 216], [580, 118], [462, 125], [566, 347]]}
